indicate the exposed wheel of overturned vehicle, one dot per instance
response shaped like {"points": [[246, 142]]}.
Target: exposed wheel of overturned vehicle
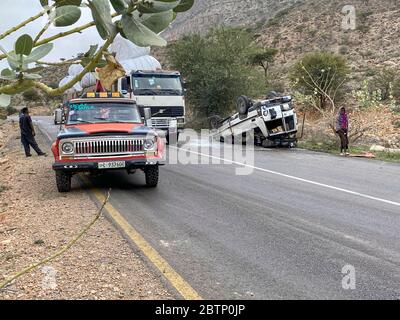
{"points": [[63, 181], [151, 174], [243, 104], [215, 121]]}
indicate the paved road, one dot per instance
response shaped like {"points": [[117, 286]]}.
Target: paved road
{"points": [[284, 231]]}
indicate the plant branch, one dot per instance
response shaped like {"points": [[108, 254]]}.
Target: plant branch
{"points": [[17, 87], [60, 252], [23, 84], [70, 84], [24, 23], [44, 29], [62, 34], [61, 63]]}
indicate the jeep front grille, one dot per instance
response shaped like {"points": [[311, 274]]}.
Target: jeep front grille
{"points": [[107, 147]]}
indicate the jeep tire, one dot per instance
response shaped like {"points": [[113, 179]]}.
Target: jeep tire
{"points": [[151, 174], [63, 181]]}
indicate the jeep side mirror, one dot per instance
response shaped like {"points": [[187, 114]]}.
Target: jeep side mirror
{"points": [[147, 114]]}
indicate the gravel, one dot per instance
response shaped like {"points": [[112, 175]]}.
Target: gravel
{"points": [[36, 221]]}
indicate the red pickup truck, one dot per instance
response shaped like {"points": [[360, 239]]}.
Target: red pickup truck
{"points": [[104, 131]]}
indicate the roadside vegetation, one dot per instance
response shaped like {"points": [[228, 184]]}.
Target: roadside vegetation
{"points": [[216, 68], [225, 63]]}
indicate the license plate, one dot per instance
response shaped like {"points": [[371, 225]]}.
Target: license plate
{"points": [[111, 165]]}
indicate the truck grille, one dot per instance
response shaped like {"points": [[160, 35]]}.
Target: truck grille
{"points": [[108, 147], [160, 123], [168, 111]]}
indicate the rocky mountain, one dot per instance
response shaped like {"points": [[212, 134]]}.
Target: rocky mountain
{"points": [[366, 32], [209, 13]]}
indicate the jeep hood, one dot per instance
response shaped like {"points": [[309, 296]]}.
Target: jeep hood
{"points": [[101, 129]]}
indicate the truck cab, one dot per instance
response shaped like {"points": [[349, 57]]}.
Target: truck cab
{"points": [[104, 131], [162, 92]]}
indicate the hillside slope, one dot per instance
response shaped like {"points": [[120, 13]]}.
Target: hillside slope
{"points": [[208, 13], [317, 25], [298, 27]]}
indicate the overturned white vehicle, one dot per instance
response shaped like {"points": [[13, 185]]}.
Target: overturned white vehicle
{"points": [[273, 121]]}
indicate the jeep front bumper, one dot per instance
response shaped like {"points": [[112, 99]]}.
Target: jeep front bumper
{"points": [[94, 165]]}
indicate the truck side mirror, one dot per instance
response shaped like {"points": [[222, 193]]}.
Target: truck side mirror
{"points": [[147, 114]]}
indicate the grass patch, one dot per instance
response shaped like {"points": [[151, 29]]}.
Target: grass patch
{"points": [[333, 149]]}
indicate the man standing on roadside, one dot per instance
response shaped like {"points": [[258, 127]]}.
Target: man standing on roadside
{"points": [[28, 134]]}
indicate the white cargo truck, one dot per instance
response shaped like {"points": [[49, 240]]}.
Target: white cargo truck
{"points": [[162, 92]]}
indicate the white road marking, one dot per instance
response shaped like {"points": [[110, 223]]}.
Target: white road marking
{"points": [[296, 178]]}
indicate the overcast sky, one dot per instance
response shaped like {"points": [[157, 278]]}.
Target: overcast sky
{"points": [[15, 11]]}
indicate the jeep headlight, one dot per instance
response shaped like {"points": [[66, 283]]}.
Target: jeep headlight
{"points": [[149, 144], [67, 148]]}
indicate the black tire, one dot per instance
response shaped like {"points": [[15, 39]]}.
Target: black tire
{"points": [[243, 104], [272, 95], [151, 174], [63, 181], [215, 121]]}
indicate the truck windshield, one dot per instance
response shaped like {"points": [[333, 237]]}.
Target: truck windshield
{"points": [[102, 112], [147, 85]]}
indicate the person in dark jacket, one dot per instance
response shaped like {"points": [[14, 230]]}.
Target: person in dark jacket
{"points": [[342, 128], [28, 134]]}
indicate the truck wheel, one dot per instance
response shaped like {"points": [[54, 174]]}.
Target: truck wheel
{"points": [[243, 104], [151, 174], [63, 181]]}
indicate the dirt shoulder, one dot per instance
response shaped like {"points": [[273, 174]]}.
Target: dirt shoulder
{"points": [[36, 221]]}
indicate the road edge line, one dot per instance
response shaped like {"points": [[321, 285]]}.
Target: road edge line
{"points": [[180, 284]]}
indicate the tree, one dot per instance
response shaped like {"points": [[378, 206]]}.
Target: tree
{"points": [[139, 21], [216, 69], [263, 59], [387, 81], [321, 75]]}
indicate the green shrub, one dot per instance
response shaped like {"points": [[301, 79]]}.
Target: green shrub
{"points": [[344, 50], [321, 70], [216, 69], [11, 110], [387, 80], [31, 95]]}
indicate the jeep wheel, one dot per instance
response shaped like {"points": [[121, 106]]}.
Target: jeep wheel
{"points": [[151, 174], [63, 181]]}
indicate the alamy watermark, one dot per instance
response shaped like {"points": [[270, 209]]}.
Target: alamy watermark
{"points": [[349, 277], [349, 17], [206, 148]]}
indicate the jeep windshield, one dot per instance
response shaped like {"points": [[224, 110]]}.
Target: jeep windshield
{"points": [[163, 85], [103, 112]]}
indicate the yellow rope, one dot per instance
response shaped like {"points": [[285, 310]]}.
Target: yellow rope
{"points": [[62, 251]]}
